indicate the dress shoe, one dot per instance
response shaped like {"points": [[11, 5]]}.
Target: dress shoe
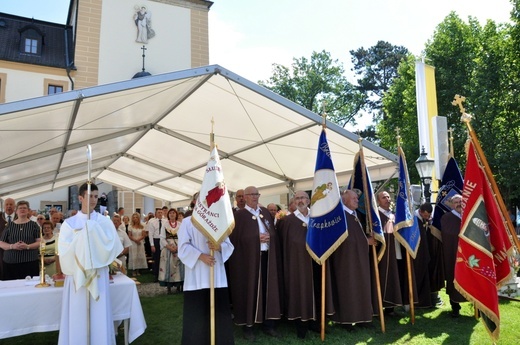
{"points": [[390, 312], [455, 314], [272, 332], [366, 325], [248, 334], [301, 333], [316, 327], [349, 328]]}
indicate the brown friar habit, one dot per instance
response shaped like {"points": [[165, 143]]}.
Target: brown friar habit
{"points": [[302, 275], [388, 267], [350, 274], [420, 267], [245, 278], [436, 266], [450, 228]]}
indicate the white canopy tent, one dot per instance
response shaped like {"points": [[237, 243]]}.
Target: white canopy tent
{"points": [[151, 136]]}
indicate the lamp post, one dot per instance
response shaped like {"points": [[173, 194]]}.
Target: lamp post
{"points": [[424, 166]]}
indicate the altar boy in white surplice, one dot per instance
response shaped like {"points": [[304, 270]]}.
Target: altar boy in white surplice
{"points": [[86, 248]]}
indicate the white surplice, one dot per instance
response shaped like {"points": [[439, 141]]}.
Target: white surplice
{"points": [[86, 248], [192, 243]]}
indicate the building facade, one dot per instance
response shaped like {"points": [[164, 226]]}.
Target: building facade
{"points": [[102, 42]]}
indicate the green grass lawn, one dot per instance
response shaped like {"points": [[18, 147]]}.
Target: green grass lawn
{"points": [[163, 316]]}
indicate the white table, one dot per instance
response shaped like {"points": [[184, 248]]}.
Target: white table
{"points": [[27, 309]]}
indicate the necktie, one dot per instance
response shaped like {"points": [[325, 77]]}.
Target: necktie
{"points": [[160, 225], [8, 219]]}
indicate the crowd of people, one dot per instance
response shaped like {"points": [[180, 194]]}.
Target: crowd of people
{"points": [[271, 276], [265, 273]]}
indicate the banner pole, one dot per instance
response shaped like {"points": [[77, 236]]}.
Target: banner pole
{"points": [[322, 322], [491, 179], [212, 299], [370, 233], [410, 288]]}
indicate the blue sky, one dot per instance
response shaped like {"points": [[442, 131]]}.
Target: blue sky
{"points": [[248, 36]]}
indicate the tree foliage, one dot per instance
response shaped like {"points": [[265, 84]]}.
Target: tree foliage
{"points": [[480, 63], [400, 107], [314, 82], [377, 68]]}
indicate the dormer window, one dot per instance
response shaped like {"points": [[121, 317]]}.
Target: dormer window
{"points": [[31, 39], [31, 46]]}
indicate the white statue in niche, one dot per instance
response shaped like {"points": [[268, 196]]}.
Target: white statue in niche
{"points": [[143, 21]]}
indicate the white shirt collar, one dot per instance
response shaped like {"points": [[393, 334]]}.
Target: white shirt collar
{"points": [[456, 213], [301, 216], [385, 212], [349, 211], [252, 210]]}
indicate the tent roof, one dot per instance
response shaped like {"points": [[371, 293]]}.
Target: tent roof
{"points": [[151, 135]]}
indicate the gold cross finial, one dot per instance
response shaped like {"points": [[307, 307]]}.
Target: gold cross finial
{"points": [[457, 101], [324, 114], [212, 135], [398, 137], [450, 133]]}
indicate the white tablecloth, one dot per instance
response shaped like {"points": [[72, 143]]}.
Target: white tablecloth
{"points": [[26, 309]]}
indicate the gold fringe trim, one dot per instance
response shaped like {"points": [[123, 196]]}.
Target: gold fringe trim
{"points": [[485, 310], [208, 235], [332, 248], [402, 240]]}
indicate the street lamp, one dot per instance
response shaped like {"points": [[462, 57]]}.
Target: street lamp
{"points": [[424, 166]]}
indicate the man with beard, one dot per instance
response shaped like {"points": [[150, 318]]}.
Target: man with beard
{"points": [[255, 268], [392, 261], [302, 275], [450, 228]]}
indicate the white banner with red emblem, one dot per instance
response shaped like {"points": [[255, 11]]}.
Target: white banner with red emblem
{"points": [[213, 214]]}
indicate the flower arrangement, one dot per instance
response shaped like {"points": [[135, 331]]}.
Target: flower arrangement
{"points": [[280, 214], [514, 262]]}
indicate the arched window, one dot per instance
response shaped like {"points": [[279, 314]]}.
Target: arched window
{"points": [[31, 40]]}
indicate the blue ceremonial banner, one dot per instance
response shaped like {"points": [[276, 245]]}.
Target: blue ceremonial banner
{"points": [[359, 179], [327, 222], [451, 184], [406, 229]]}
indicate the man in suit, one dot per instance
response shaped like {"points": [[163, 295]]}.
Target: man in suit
{"points": [[6, 217], [154, 230]]}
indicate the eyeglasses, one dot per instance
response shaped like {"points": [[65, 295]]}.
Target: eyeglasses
{"points": [[301, 198], [254, 194], [40, 218]]}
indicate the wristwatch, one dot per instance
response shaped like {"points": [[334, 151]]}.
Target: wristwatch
{"points": [[28, 247]]}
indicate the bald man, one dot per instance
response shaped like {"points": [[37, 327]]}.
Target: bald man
{"points": [[272, 208], [255, 268], [240, 200], [389, 273], [350, 271], [302, 275]]}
